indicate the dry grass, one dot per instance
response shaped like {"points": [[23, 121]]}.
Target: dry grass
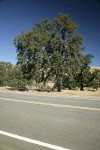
{"points": [[75, 93], [72, 93]]}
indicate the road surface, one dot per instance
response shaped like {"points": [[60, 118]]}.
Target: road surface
{"points": [[29, 122]]}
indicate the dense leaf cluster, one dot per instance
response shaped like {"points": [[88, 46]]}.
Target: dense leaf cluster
{"points": [[11, 75]]}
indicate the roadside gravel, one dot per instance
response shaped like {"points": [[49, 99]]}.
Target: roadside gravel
{"points": [[65, 93]]}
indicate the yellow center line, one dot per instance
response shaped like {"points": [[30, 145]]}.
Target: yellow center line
{"points": [[50, 104]]}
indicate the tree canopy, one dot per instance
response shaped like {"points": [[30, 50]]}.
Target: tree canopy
{"points": [[53, 50]]}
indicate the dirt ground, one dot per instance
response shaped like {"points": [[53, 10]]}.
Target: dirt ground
{"points": [[70, 93]]}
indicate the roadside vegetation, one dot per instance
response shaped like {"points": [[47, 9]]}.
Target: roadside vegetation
{"points": [[12, 76], [51, 52]]}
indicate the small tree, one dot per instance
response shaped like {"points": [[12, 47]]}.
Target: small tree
{"points": [[82, 77], [5, 70], [16, 79], [94, 79]]}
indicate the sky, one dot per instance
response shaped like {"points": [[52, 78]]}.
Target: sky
{"points": [[21, 15]]}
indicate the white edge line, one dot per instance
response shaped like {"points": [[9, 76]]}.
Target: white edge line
{"points": [[32, 141]]}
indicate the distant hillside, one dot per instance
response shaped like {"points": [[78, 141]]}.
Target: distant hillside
{"points": [[94, 68]]}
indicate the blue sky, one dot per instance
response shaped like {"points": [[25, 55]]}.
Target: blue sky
{"points": [[21, 15]]}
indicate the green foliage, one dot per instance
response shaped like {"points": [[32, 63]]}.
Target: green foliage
{"points": [[94, 79], [11, 75], [83, 74], [53, 51], [5, 71], [16, 79]]}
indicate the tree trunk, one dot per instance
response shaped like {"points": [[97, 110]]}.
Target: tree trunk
{"points": [[58, 84], [81, 88], [59, 88]]}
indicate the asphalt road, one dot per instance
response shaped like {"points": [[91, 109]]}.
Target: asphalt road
{"points": [[73, 128]]}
